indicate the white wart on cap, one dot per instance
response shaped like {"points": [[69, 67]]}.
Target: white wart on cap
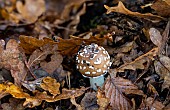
{"points": [[93, 60]]}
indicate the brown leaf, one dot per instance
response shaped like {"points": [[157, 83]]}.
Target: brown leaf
{"points": [[31, 10], [158, 39], [114, 89], [32, 101], [12, 58], [47, 56], [165, 7], [89, 101], [14, 104], [151, 104], [71, 46], [162, 67], [102, 101], [10, 88], [50, 84], [29, 44], [155, 36], [32, 85], [138, 63], [64, 11], [121, 9], [73, 101], [39, 96], [51, 66], [65, 46], [125, 48], [116, 97]]}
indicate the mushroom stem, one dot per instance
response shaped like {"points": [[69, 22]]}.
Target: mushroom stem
{"points": [[96, 81]]}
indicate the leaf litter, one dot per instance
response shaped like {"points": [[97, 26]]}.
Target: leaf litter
{"points": [[40, 40]]}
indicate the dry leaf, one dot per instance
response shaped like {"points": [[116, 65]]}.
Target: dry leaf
{"points": [[102, 101], [14, 104], [125, 48], [71, 46], [158, 39], [64, 11], [151, 104], [51, 85], [121, 9], [51, 66], [138, 63], [29, 44], [89, 101], [47, 57], [32, 101], [155, 36], [65, 46], [165, 7], [32, 85], [12, 58], [162, 67], [10, 88], [116, 98], [114, 89], [73, 101], [31, 10]]}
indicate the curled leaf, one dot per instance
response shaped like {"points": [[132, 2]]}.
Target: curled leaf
{"points": [[50, 85], [122, 9]]}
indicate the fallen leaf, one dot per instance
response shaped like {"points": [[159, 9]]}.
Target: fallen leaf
{"points": [[102, 101], [155, 36], [12, 58], [71, 46], [47, 57], [151, 104], [39, 96], [89, 101], [65, 46], [32, 101], [114, 89], [29, 44], [31, 10], [64, 11], [73, 101], [32, 85], [162, 67], [14, 104], [115, 96], [121, 9], [10, 88], [158, 39], [138, 63], [51, 85], [51, 66], [165, 7]]}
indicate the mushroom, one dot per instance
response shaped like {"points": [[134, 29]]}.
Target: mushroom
{"points": [[93, 61]]}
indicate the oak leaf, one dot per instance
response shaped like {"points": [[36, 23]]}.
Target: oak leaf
{"points": [[122, 9], [29, 44], [32, 101], [31, 10], [12, 58], [51, 85]]}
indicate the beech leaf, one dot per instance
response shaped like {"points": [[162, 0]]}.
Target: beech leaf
{"points": [[114, 89]]}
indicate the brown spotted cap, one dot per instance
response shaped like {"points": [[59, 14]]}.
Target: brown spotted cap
{"points": [[93, 60]]}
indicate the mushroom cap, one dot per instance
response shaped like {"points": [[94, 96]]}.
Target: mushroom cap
{"points": [[93, 61]]}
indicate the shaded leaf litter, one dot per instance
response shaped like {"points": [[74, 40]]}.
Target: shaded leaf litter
{"points": [[39, 41]]}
